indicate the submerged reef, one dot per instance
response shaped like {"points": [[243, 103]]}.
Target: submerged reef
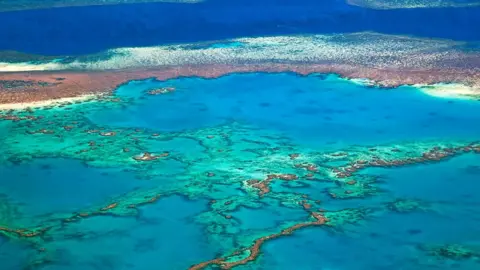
{"points": [[41, 4], [332, 151], [255, 168], [452, 252], [395, 4], [251, 253], [384, 60], [407, 206]]}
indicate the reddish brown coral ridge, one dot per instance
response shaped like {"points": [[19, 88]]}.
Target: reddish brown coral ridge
{"points": [[148, 201], [16, 118], [79, 83], [255, 248], [308, 167], [101, 211], [433, 155], [41, 131], [23, 233], [107, 209], [39, 232], [264, 185]]}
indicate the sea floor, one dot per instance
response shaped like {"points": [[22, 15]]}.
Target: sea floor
{"points": [[257, 170]]}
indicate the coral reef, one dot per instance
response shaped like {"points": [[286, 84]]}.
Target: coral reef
{"points": [[161, 91], [384, 60], [396, 4], [251, 253], [453, 252], [407, 206], [233, 166], [33, 4]]}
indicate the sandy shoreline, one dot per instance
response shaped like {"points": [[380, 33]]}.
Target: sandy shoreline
{"points": [[453, 90], [46, 103], [439, 90]]}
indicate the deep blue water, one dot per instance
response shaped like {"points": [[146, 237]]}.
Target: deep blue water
{"points": [[83, 30]]}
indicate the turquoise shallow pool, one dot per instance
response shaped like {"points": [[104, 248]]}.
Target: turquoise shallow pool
{"points": [[74, 196], [315, 110]]}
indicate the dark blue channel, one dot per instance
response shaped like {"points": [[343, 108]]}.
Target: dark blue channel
{"points": [[84, 30]]}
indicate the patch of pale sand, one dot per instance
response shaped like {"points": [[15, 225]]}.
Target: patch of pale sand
{"points": [[450, 90], [21, 67], [47, 103], [402, 4], [362, 81], [44, 4], [362, 49], [440, 90]]}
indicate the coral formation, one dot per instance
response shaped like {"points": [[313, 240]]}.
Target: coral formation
{"points": [[383, 59], [233, 166]]}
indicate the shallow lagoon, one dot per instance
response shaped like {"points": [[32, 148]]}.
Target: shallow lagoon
{"points": [[221, 132], [316, 109]]}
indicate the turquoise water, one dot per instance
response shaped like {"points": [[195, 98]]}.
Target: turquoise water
{"points": [[316, 110], [219, 133], [162, 235], [47, 186], [392, 241], [226, 45]]}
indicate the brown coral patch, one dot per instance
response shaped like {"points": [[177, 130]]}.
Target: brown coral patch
{"points": [[254, 250]]}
